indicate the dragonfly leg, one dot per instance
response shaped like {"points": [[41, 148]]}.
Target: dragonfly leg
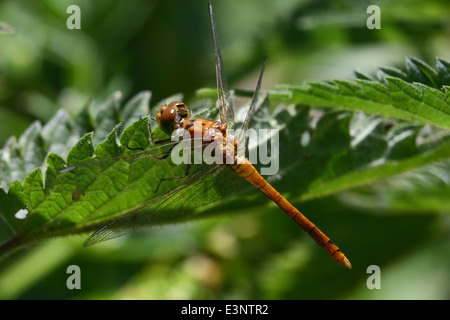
{"points": [[151, 134], [164, 157], [153, 142], [188, 171]]}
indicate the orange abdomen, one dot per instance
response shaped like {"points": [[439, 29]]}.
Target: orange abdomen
{"points": [[247, 171]]}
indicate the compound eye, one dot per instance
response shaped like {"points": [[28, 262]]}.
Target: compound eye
{"points": [[167, 114], [178, 104], [180, 107]]}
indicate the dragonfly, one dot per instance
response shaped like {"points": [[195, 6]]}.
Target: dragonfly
{"points": [[187, 195]]}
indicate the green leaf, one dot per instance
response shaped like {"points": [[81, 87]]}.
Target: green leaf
{"points": [[419, 94]]}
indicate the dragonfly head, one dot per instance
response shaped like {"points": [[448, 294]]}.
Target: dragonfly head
{"points": [[172, 116]]}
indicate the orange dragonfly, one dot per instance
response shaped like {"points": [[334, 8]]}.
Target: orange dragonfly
{"points": [[184, 197]]}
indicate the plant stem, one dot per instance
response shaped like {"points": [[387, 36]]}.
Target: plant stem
{"points": [[8, 246]]}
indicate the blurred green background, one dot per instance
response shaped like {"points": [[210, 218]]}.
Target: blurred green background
{"points": [[166, 47]]}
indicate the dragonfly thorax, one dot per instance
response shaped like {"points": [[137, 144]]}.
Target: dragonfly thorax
{"points": [[173, 116]]}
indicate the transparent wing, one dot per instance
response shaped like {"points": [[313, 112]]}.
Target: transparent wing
{"points": [[249, 115], [155, 152], [211, 183], [139, 170], [223, 95]]}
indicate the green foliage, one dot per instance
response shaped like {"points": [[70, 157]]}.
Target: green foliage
{"points": [[421, 93]]}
